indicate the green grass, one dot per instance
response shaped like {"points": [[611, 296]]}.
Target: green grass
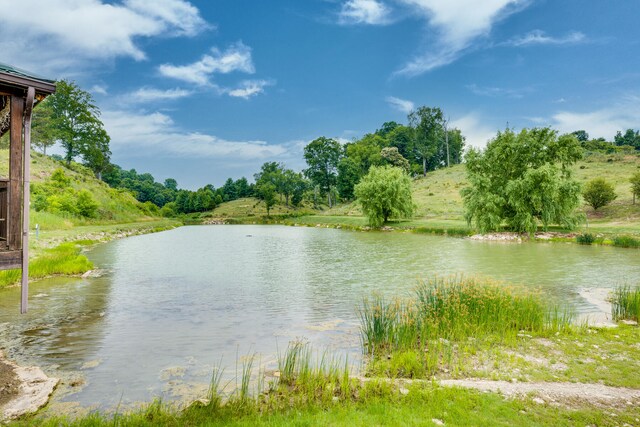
{"points": [[375, 403], [251, 208], [454, 309], [64, 259], [625, 303]]}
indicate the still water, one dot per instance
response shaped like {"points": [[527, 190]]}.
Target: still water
{"points": [[173, 305]]}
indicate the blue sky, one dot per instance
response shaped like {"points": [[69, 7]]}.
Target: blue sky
{"points": [[203, 90]]}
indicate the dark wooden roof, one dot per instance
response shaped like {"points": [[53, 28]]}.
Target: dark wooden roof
{"points": [[17, 79], [14, 81]]}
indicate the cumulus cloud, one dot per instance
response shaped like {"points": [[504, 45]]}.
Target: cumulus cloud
{"points": [[539, 37], [156, 133], [603, 122], [456, 24], [402, 105], [58, 35], [236, 58], [249, 88], [370, 12], [476, 132]]}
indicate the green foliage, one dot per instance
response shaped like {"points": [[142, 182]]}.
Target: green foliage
{"points": [[266, 191], [322, 156], [71, 117], [522, 179], [625, 303], [585, 238], [635, 186], [384, 193], [394, 158], [630, 138], [59, 197], [598, 193], [626, 242], [428, 124]]}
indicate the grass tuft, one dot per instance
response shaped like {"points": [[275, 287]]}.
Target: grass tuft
{"points": [[626, 303]]}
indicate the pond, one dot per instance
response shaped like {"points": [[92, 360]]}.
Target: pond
{"points": [[173, 305]]}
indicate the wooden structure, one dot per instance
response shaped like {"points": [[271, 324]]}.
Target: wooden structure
{"points": [[20, 91]]}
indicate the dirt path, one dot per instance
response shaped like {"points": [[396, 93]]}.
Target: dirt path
{"points": [[543, 392]]}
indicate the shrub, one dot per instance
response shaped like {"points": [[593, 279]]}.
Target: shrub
{"points": [[585, 238], [598, 193], [384, 193]]}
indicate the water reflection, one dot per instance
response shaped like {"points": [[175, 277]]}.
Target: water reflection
{"points": [[174, 303]]}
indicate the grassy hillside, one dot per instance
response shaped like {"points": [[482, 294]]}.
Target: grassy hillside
{"points": [[439, 204], [55, 250], [250, 207], [113, 205]]}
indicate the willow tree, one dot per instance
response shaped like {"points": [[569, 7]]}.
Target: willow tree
{"points": [[522, 180], [384, 193]]}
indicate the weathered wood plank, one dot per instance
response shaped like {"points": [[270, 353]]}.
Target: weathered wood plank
{"points": [[10, 259], [14, 213]]}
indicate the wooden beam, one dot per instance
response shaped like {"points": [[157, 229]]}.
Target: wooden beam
{"points": [[11, 259], [14, 213], [31, 93]]}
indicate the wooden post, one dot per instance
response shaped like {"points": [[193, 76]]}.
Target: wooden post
{"points": [[14, 232], [25, 197]]}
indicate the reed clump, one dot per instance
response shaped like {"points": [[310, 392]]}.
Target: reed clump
{"points": [[625, 304], [455, 309]]}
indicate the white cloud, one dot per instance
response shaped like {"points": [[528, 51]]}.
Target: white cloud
{"points": [[370, 12], [248, 88], [59, 35], [236, 58], [477, 133], [604, 122], [150, 94], [155, 133], [496, 92], [402, 105], [457, 24], [539, 37], [99, 89]]}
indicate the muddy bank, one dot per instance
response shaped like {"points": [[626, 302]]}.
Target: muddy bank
{"points": [[23, 390]]}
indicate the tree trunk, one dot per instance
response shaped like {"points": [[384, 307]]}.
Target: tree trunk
{"points": [[424, 166], [286, 197]]}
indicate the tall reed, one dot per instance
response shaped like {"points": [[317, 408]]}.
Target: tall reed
{"points": [[454, 309], [626, 303]]}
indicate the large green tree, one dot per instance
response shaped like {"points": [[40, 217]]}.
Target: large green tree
{"points": [[522, 179], [75, 119], [322, 156], [428, 125], [384, 193]]}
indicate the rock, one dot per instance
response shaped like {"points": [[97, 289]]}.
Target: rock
{"points": [[437, 421], [404, 391], [538, 400], [35, 389]]}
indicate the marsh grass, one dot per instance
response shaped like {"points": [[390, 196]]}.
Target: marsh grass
{"points": [[63, 259], [626, 242], [316, 375], [626, 303], [455, 309]]}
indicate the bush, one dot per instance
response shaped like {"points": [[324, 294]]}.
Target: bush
{"points": [[384, 193], [585, 238], [598, 193]]}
